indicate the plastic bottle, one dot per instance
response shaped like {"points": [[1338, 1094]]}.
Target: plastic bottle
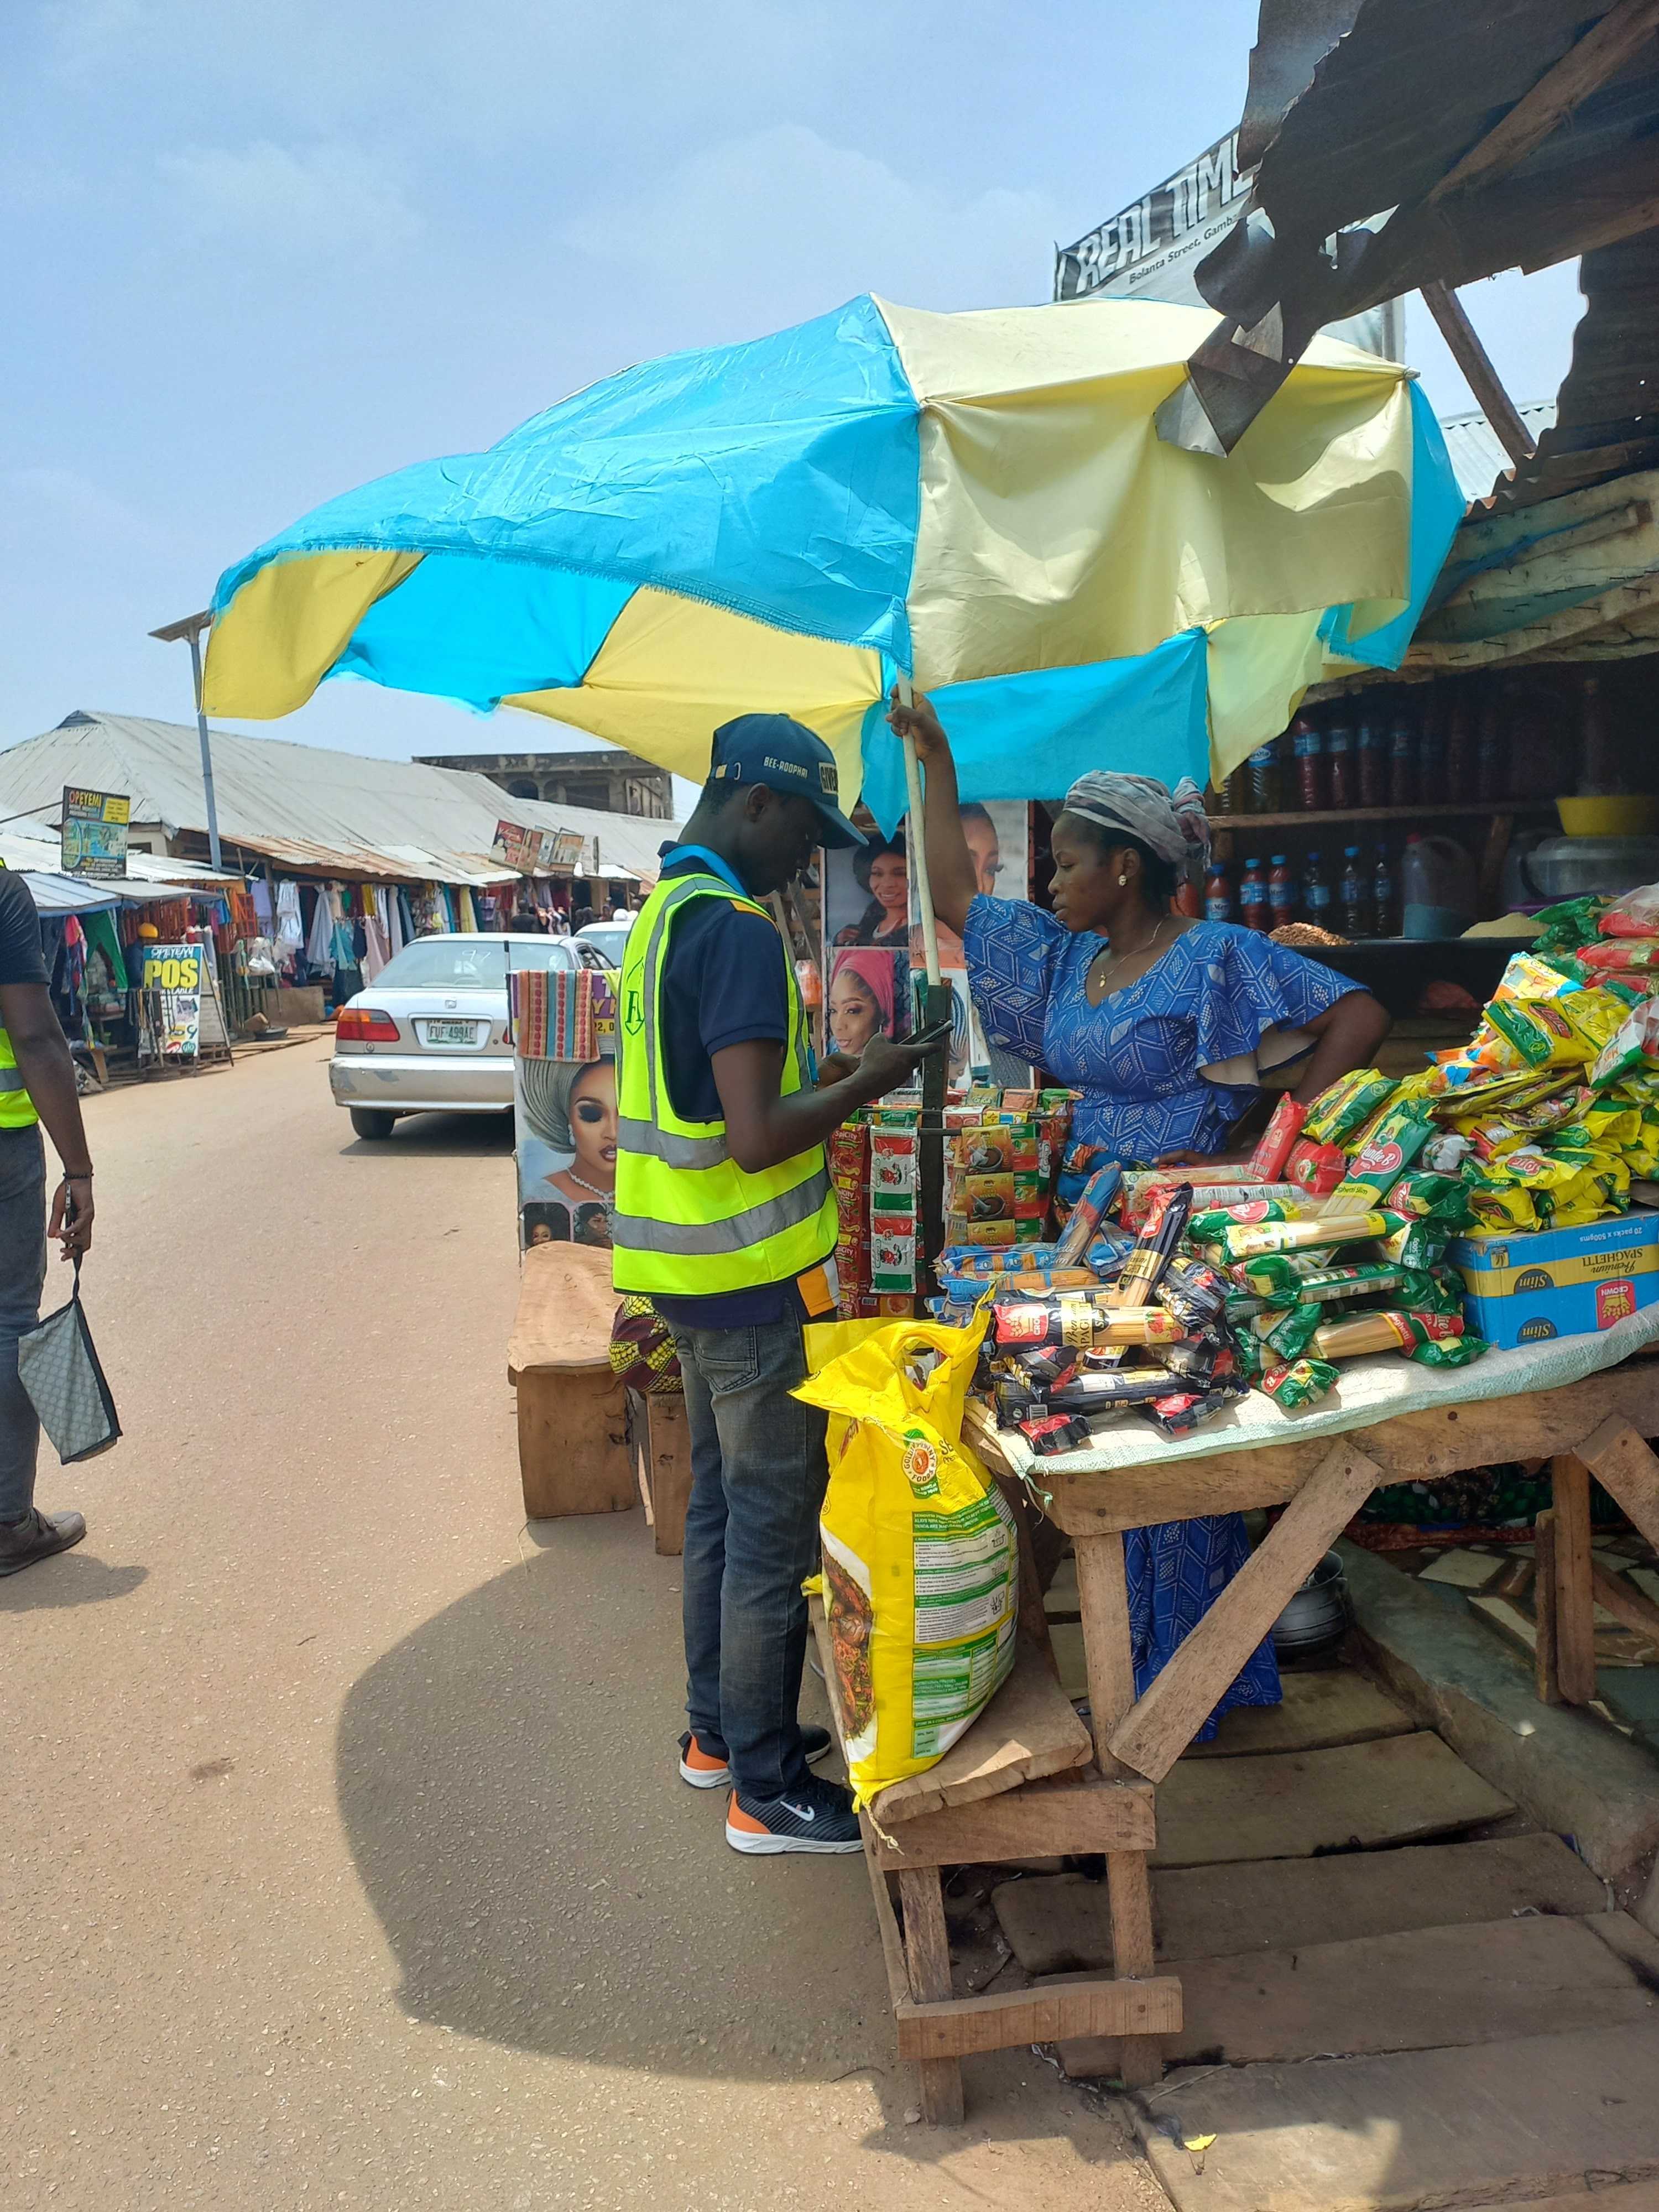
{"points": [[1281, 891], [1254, 910], [1340, 765], [1351, 895], [1383, 893], [1316, 891], [1438, 887], [1432, 757], [1188, 899], [1264, 789], [1402, 761], [1307, 750], [1460, 751], [1373, 765], [1218, 893]]}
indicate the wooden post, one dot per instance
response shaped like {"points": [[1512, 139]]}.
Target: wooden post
{"points": [[927, 1961], [1546, 1677], [1482, 379], [1575, 1607]]}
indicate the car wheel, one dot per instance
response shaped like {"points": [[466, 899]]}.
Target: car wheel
{"points": [[372, 1120]]}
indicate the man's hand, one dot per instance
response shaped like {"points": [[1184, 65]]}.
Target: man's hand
{"points": [[835, 1067], [72, 1216], [918, 720], [885, 1061]]}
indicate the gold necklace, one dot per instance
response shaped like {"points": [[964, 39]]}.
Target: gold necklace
{"points": [[1112, 959]]}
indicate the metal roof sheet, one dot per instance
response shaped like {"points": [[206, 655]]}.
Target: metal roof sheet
{"points": [[1476, 453]]}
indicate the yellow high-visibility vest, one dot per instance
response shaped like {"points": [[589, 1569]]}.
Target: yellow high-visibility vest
{"points": [[17, 1107], [688, 1221]]}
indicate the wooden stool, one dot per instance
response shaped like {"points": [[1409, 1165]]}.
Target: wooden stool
{"points": [[662, 1445], [573, 1421]]}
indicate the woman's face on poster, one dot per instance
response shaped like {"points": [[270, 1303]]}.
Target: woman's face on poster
{"points": [[593, 1122], [981, 835], [889, 884], [854, 1016]]}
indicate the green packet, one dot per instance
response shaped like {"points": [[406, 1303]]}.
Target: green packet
{"points": [[1364, 1278], [1301, 1383], [1288, 1335], [1385, 1157], [1414, 1243], [1449, 1352], [1206, 1228], [1432, 1198], [1346, 1105], [1275, 1275]]}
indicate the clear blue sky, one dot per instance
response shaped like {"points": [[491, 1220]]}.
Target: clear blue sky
{"points": [[257, 254]]}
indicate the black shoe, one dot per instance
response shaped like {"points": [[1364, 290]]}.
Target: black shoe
{"points": [[817, 1817], [707, 1770], [37, 1536]]}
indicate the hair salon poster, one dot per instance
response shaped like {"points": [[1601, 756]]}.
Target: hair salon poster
{"points": [[564, 1108]]}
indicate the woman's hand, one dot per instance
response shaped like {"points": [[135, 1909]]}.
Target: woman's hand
{"points": [[918, 720]]}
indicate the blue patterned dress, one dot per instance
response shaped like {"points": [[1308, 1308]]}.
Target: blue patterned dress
{"points": [[1169, 1063]]}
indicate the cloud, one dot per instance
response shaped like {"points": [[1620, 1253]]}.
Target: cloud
{"points": [[785, 217], [299, 205]]}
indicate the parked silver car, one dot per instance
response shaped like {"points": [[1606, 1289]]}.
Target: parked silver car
{"points": [[429, 1034]]}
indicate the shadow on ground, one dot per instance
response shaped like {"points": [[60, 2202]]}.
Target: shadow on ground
{"points": [[508, 1781], [437, 1136], [76, 1577]]}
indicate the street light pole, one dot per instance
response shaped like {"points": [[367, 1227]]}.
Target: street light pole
{"points": [[190, 628]]}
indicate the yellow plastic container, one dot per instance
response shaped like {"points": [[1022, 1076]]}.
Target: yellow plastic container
{"points": [[1619, 816]]}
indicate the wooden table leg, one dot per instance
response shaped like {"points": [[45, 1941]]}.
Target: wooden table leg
{"points": [[927, 1961], [1109, 1655], [1575, 1606], [1545, 1676]]}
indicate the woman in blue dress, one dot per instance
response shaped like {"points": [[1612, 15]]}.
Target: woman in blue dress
{"points": [[1165, 1024]]}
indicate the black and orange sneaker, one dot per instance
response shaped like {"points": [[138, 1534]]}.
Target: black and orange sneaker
{"points": [[817, 1817], [707, 1770]]}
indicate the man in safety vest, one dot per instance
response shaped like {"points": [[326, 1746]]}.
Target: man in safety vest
{"points": [[37, 1084], [724, 1215]]}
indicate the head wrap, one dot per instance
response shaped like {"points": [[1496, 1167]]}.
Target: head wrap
{"points": [[1171, 824], [547, 1086], [874, 969]]}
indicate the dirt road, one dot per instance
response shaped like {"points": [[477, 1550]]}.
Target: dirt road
{"points": [[344, 1860]]}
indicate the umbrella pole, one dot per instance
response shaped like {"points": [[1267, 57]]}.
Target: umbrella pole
{"points": [[938, 1004]]}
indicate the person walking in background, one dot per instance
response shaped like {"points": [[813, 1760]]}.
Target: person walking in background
{"points": [[37, 1084]]}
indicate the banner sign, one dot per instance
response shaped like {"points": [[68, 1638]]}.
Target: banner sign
{"points": [[530, 850], [175, 970], [93, 836], [567, 848], [1150, 250]]}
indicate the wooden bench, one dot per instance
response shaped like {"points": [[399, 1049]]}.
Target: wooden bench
{"points": [[662, 1447], [1016, 1785], [574, 1454]]}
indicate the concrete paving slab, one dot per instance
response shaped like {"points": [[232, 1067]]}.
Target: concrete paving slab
{"points": [[1330, 1706], [1470, 1570]]}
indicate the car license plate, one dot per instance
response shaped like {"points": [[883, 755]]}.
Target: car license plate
{"points": [[452, 1032]]}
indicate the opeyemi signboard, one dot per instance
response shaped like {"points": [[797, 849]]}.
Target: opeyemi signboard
{"points": [[93, 834]]}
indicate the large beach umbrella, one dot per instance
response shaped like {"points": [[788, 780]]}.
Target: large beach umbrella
{"points": [[979, 502]]}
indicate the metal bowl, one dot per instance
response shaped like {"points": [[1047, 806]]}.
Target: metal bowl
{"points": [[1317, 1618]]}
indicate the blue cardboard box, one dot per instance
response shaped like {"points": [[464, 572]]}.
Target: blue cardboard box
{"points": [[1558, 1282]]}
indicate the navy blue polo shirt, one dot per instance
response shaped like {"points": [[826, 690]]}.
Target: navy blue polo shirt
{"points": [[724, 983]]}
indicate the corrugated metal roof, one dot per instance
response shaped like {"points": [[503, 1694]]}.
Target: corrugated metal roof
{"points": [[316, 810], [1478, 456]]}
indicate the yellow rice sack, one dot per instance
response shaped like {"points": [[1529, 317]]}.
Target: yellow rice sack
{"points": [[920, 1558]]}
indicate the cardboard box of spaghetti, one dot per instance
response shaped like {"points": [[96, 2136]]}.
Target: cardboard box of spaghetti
{"points": [[1558, 1282]]}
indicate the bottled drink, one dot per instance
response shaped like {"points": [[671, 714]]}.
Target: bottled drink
{"points": [[1218, 893], [1402, 762], [1253, 908], [1307, 750], [1490, 778], [1265, 779], [1316, 891], [1383, 893], [1238, 790], [1432, 757], [1281, 891], [1373, 765], [1187, 898], [1460, 751], [1339, 764], [1351, 895]]}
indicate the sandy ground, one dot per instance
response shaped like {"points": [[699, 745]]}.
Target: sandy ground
{"points": [[342, 1858]]}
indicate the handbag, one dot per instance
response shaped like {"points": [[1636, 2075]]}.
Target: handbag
{"points": [[59, 1367]]}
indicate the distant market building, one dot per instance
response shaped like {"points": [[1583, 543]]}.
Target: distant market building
{"points": [[601, 778]]}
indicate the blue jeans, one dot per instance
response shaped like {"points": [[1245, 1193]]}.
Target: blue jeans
{"points": [[759, 1476], [22, 1277]]}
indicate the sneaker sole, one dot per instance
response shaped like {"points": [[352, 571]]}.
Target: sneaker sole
{"points": [[720, 1777], [767, 1847], [48, 1552]]}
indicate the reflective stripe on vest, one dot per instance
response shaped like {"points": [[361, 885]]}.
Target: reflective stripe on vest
{"points": [[687, 1218], [17, 1107]]}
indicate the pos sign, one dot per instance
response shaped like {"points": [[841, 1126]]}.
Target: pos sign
{"points": [[175, 970]]}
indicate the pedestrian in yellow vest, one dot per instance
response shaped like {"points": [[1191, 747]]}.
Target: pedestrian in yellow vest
{"points": [[37, 1084], [724, 1215]]}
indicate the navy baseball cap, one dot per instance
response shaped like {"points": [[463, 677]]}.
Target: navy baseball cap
{"points": [[783, 754]]}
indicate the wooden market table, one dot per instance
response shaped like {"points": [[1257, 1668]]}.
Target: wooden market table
{"points": [[1594, 1423]]}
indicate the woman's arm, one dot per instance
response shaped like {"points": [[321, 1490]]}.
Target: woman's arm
{"points": [[1345, 1036], [952, 875]]}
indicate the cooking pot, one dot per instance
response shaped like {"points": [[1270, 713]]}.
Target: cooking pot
{"points": [[1317, 1618]]}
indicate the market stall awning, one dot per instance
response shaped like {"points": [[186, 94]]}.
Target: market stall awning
{"points": [[979, 500]]}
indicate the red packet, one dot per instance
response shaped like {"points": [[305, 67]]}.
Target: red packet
{"points": [[1273, 1146]]}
